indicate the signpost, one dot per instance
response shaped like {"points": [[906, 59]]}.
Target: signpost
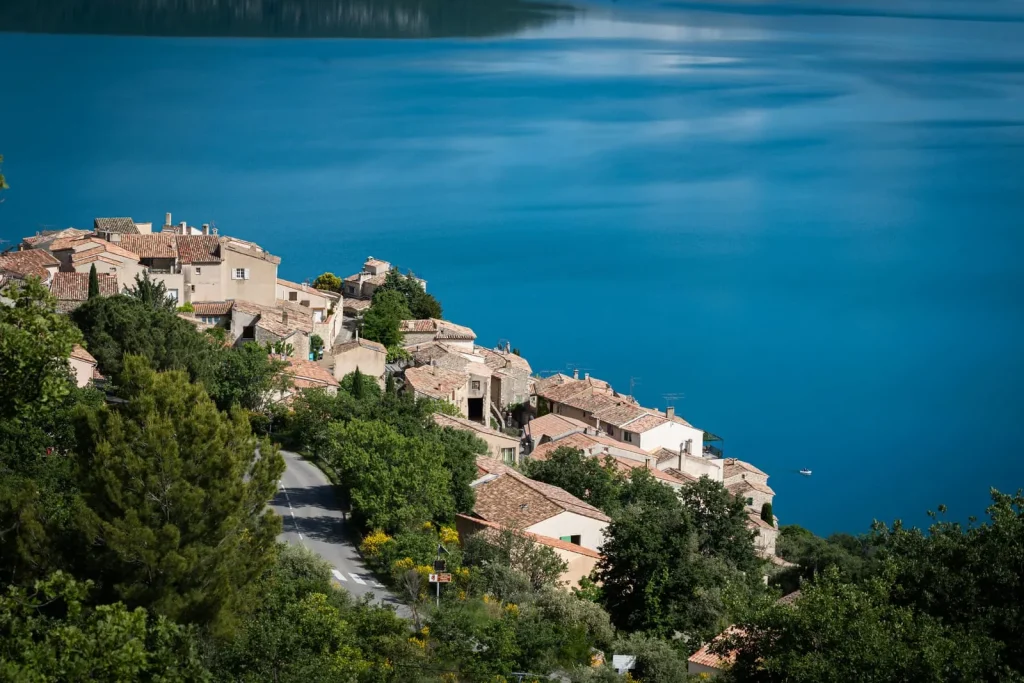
{"points": [[440, 578]]}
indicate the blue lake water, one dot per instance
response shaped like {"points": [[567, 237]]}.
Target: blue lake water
{"points": [[800, 224]]}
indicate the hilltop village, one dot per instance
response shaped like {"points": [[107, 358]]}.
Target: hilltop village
{"points": [[220, 282]]}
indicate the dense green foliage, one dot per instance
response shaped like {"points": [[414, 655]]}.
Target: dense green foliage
{"points": [[328, 282], [382, 321], [152, 293], [136, 543], [420, 304]]}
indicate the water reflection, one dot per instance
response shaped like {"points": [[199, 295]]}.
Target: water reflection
{"points": [[280, 18]]}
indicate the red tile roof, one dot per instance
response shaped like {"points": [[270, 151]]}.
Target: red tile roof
{"points": [[433, 381], [81, 354], [28, 262], [554, 426], [559, 497], [75, 286], [465, 425], [645, 423], [741, 487], [156, 245], [311, 372], [442, 329], [124, 226], [734, 467], [212, 307], [198, 248]]}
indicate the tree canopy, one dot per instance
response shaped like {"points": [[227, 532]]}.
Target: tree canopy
{"points": [[591, 479], [420, 304], [152, 293], [328, 282], [174, 497], [382, 321]]}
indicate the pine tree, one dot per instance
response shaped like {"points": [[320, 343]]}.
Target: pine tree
{"points": [[175, 498], [389, 385], [94, 282]]}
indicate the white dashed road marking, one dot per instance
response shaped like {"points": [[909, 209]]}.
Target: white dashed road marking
{"points": [[338, 575], [358, 579]]}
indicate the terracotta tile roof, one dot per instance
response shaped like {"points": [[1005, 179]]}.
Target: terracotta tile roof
{"points": [[426, 352], [248, 248], [679, 474], [213, 307], [645, 423], [434, 381], [734, 467], [554, 426], [560, 497], [620, 415], [465, 425], [628, 465], [592, 401], [589, 444], [156, 245], [357, 305], [740, 487], [554, 380], [198, 248], [376, 263], [28, 262], [310, 289], [442, 329], [310, 372], [478, 369], [361, 343], [75, 286], [83, 248], [754, 521], [124, 226], [538, 538], [47, 237], [705, 657], [81, 354], [499, 359], [272, 318]]}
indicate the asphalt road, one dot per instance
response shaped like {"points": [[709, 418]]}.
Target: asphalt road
{"points": [[312, 517]]}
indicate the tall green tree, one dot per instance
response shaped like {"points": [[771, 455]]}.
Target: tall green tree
{"points": [[591, 479], [174, 498], [328, 282], [247, 376], [117, 325], [421, 305], [94, 282], [720, 520], [458, 451], [152, 293], [50, 633], [656, 578], [35, 343], [382, 321], [393, 481]]}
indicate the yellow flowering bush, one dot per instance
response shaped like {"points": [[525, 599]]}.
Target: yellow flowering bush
{"points": [[374, 543], [428, 526], [449, 536], [512, 609], [402, 565]]}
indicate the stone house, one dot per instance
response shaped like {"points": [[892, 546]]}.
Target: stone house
{"points": [[422, 331], [200, 260], [305, 374], [79, 255], [430, 381], [158, 255], [268, 324], [500, 446], [552, 427], [83, 366], [363, 284], [369, 356], [580, 562], [321, 303], [510, 376], [748, 482], [505, 496]]}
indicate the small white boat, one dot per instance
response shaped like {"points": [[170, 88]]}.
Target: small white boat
{"points": [[806, 472]]}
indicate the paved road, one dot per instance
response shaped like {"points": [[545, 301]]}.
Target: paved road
{"points": [[312, 516]]}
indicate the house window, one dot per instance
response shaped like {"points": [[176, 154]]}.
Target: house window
{"points": [[574, 539], [627, 436], [172, 294], [293, 296], [192, 288], [611, 430], [476, 385], [508, 456], [750, 501], [199, 271], [241, 274]]}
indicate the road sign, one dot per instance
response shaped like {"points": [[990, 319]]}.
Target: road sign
{"points": [[440, 578]]}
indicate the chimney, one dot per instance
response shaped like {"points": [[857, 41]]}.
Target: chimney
{"points": [[184, 228], [586, 375], [167, 220], [215, 230], [284, 316], [670, 412], [576, 374], [508, 347], [206, 228]]}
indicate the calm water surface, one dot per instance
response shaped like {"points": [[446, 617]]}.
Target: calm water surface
{"points": [[799, 223]]}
